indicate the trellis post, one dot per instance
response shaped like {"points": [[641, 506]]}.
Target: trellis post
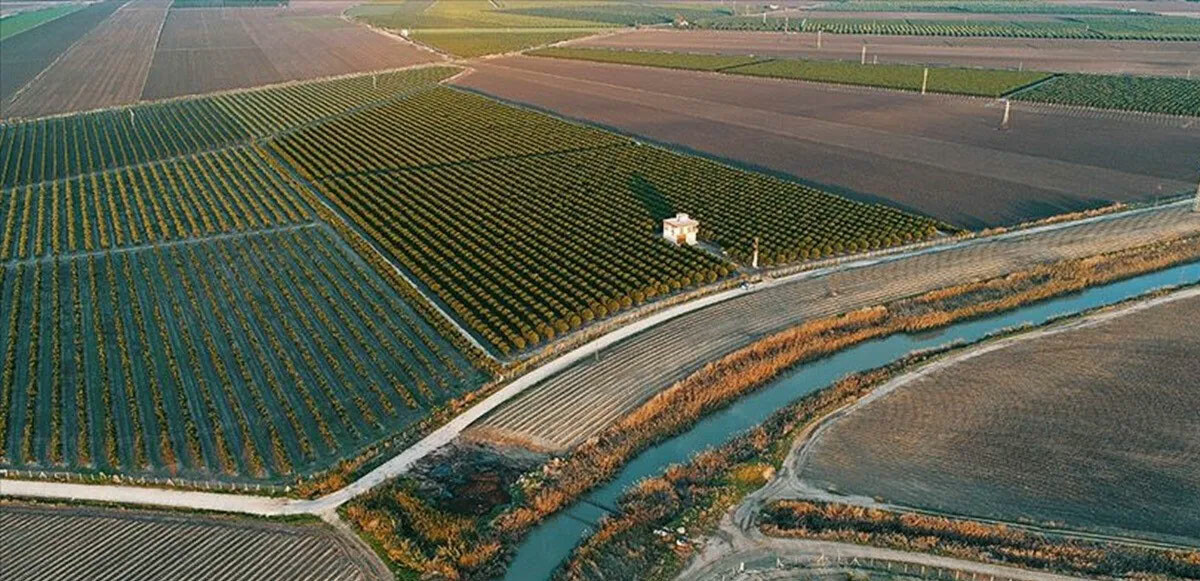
{"points": [[925, 80]]}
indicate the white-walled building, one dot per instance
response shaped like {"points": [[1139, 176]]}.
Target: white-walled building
{"points": [[681, 229]]}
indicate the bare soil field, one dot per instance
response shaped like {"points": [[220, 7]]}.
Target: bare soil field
{"points": [[107, 67], [1054, 55], [43, 542], [1094, 428], [212, 49], [23, 56], [939, 155], [581, 401]]}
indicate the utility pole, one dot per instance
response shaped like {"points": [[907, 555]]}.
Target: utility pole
{"points": [[818, 39], [863, 59], [754, 262], [925, 80], [374, 81], [1196, 206], [1005, 120]]}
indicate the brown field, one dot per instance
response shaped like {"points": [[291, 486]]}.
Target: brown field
{"points": [[39, 542], [206, 50], [107, 67], [939, 155], [23, 56], [1093, 428], [1056, 55]]}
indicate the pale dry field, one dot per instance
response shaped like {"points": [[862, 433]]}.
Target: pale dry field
{"points": [[1054, 55], [1093, 428], [105, 68], [214, 49]]}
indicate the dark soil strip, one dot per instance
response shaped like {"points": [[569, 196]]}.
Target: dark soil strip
{"points": [[23, 56]]}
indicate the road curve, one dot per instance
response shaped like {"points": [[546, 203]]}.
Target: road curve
{"points": [[640, 362]]}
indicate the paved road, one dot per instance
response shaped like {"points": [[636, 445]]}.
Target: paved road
{"points": [[649, 355], [585, 399]]}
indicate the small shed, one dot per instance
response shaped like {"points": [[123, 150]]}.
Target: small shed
{"points": [[681, 229]]}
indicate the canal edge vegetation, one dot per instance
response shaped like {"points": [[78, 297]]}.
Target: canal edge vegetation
{"points": [[697, 495], [415, 537]]}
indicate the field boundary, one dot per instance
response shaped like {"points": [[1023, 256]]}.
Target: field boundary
{"points": [[349, 225], [728, 71], [444, 434]]}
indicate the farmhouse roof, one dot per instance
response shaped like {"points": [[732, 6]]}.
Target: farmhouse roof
{"points": [[681, 219]]}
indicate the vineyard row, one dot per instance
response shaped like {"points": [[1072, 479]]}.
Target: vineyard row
{"points": [[251, 358]]}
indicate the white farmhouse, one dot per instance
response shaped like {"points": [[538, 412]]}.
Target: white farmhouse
{"points": [[681, 229]]}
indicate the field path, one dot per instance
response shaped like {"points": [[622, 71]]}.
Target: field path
{"points": [[650, 354]]}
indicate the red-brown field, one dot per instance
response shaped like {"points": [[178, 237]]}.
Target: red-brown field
{"points": [[1094, 428], [1055, 55], [205, 50], [107, 67], [939, 155]]}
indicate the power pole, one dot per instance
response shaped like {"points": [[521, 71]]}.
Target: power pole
{"points": [[818, 39], [754, 262], [1005, 120], [1196, 206], [863, 59], [925, 80]]}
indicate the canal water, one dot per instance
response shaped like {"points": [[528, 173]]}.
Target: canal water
{"points": [[551, 542]]}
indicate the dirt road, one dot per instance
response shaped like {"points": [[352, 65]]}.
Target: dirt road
{"points": [[647, 356], [574, 405]]}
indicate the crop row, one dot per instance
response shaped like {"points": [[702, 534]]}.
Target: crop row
{"points": [[963, 81], [250, 357], [59, 147], [1130, 28], [527, 246], [229, 190], [1151, 95], [436, 127]]}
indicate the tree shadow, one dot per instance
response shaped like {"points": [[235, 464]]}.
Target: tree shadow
{"points": [[651, 197]]}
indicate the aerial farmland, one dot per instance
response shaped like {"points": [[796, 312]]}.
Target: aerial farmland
{"points": [[615, 289]]}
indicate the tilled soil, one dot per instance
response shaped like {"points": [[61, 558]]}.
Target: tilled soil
{"points": [[1054, 55], [939, 155], [1094, 428]]}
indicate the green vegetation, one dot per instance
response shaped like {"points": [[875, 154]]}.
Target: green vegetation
{"points": [[257, 357], [484, 42], [697, 494], [670, 60], [528, 227], [60, 147], [1142, 27], [221, 192], [227, 3], [26, 20], [1151, 95], [470, 28], [1147, 94], [967, 7], [459, 14], [991, 83], [625, 14]]}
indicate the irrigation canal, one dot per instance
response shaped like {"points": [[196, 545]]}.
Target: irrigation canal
{"points": [[551, 543]]}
